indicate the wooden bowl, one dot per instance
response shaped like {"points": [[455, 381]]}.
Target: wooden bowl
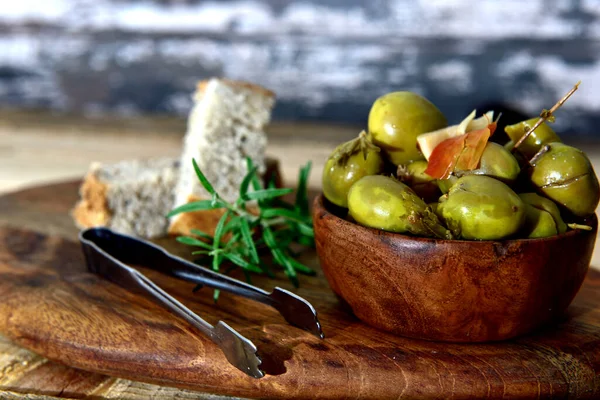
{"points": [[450, 290]]}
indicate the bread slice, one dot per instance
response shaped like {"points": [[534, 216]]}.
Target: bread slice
{"points": [[131, 197], [225, 126], [134, 196]]}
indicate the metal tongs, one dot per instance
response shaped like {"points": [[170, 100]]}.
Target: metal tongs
{"points": [[107, 253]]}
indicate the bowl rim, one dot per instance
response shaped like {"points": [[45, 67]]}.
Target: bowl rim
{"points": [[320, 204]]}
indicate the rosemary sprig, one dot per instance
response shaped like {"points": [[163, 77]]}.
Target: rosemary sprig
{"points": [[258, 218]]}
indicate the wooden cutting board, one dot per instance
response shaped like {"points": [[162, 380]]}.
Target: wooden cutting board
{"points": [[50, 304]]}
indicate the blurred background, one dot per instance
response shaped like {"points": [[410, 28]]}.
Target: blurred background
{"points": [[327, 60]]}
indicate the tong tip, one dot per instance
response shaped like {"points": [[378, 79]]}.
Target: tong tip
{"points": [[297, 311], [238, 350]]}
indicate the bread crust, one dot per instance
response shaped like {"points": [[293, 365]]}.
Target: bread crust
{"points": [[92, 210]]}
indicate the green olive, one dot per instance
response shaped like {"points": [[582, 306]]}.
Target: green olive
{"points": [[498, 163], [543, 134], [414, 176], [348, 163], [435, 208], [542, 216], [538, 223], [385, 203], [482, 208], [565, 174], [395, 121], [446, 184]]}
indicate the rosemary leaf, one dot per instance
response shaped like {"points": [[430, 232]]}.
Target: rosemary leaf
{"points": [[247, 235], [190, 241], [236, 259], [246, 182], [306, 230], [279, 256], [234, 240], [205, 183], [264, 194], [220, 229], [301, 203], [232, 224], [216, 261], [200, 205], [201, 234], [301, 267], [306, 241], [253, 177]]}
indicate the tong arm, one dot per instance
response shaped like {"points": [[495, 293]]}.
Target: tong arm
{"points": [[238, 350], [131, 250]]}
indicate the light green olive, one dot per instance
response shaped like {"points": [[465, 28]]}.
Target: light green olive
{"points": [[385, 203], [348, 163], [538, 223], [498, 163], [542, 217], [565, 175], [446, 184], [543, 134], [423, 185], [395, 121], [482, 208]]}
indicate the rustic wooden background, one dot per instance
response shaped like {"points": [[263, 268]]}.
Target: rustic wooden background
{"points": [[326, 59]]}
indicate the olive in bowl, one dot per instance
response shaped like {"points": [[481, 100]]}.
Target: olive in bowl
{"points": [[450, 290]]}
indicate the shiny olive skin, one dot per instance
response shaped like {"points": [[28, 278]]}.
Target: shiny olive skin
{"points": [[423, 185], [538, 223], [445, 184], [395, 121], [482, 208], [498, 163], [542, 135], [565, 175], [385, 203], [542, 217], [338, 176]]}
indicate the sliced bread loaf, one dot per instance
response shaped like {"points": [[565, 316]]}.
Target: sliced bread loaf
{"points": [[225, 126], [130, 197]]}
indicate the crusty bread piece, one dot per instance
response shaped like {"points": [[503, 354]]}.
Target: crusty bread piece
{"points": [[131, 197], [225, 126], [109, 194]]}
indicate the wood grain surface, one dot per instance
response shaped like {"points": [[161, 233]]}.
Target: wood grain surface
{"points": [[52, 306]]}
